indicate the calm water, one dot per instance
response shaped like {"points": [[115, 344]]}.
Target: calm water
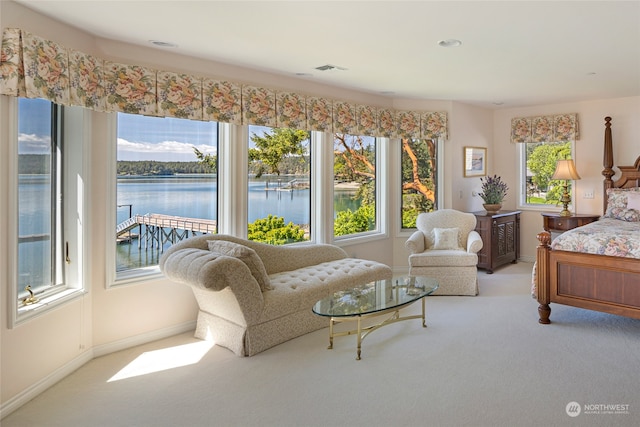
{"points": [[192, 196]]}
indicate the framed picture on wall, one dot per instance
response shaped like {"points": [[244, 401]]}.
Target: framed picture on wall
{"points": [[475, 161]]}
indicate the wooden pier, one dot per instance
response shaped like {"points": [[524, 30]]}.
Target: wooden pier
{"points": [[157, 229]]}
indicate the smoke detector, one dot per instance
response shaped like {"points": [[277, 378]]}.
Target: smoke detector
{"points": [[330, 67]]}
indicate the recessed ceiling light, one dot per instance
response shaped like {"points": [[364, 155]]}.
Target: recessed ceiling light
{"points": [[449, 43], [162, 44]]}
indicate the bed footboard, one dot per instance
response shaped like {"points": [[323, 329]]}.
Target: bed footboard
{"points": [[594, 282]]}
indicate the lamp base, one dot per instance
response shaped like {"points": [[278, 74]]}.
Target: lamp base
{"points": [[565, 212], [566, 199]]}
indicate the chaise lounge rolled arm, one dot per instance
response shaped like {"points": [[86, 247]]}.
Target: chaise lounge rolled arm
{"points": [[251, 304]]}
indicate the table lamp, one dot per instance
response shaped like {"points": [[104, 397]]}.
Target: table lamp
{"points": [[565, 170]]}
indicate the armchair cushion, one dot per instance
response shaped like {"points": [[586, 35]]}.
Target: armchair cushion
{"points": [[444, 258], [446, 238], [246, 255]]}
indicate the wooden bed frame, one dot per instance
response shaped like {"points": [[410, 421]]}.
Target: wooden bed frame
{"points": [[595, 282]]}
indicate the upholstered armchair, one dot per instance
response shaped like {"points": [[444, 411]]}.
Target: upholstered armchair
{"points": [[446, 247]]}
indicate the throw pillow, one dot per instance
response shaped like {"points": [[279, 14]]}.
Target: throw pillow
{"points": [[618, 204], [246, 255], [446, 238]]}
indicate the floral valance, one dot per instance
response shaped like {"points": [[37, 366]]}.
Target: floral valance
{"points": [[33, 67], [556, 128]]}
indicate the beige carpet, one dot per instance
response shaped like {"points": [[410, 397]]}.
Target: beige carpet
{"points": [[482, 361]]}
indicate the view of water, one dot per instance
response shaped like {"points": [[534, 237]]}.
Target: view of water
{"points": [[192, 196]]}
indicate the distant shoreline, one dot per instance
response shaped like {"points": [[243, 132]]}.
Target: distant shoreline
{"points": [[346, 185]]}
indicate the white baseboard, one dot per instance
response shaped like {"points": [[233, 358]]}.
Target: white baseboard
{"points": [[42, 385], [104, 349], [97, 351]]}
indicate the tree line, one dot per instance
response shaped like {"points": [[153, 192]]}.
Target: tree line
{"points": [[34, 164], [152, 167]]}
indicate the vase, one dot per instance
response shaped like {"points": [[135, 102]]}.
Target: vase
{"points": [[492, 207]]}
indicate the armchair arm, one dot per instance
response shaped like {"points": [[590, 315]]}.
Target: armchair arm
{"points": [[474, 242], [415, 243]]}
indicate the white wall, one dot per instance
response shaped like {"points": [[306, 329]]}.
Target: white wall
{"points": [[107, 319]]}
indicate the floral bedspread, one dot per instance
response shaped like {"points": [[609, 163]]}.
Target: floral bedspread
{"points": [[606, 236]]}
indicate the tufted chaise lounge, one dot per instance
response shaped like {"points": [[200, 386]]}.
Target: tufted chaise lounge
{"points": [[249, 304]]}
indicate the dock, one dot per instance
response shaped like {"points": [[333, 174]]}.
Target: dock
{"points": [[154, 230]]}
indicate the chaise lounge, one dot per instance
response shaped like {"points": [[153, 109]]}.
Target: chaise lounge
{"points": [[253, 296]]}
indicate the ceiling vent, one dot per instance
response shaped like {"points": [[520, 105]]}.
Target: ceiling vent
{"points": [[330, 67]]}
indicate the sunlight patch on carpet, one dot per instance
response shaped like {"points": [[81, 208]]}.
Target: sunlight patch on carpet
{"points": [[164, 359]]}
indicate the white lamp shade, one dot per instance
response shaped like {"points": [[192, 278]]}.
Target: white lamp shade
{"points": [[565, 169]]}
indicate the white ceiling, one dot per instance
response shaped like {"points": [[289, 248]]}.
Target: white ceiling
{"points": [[513, 53]]}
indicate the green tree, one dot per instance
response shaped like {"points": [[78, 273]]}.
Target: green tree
{"points": [[210, 161], [541, 161], [350, 222], [418, 179], [272, 148], [274, 231], [354, 160]]}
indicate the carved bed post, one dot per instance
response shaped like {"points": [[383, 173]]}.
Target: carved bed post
{"points": [[542, 277], [607, 162]]}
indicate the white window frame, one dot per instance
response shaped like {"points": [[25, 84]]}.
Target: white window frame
{"points": [[382, 198], [397, 174], [233, 148], [522, 185], [225, 187], [76, 154]]}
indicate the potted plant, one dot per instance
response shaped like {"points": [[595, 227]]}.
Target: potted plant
{"points": [[493, 192]]}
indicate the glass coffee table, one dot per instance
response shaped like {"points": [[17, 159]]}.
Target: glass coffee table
{"points": [[374, 299]]}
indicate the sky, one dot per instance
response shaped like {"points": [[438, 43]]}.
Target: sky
{"points": [[139, 137], [164, 139], [34, 136]]}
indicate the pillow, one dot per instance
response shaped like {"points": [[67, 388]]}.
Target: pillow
{"points": [[446, 238], [246, 255], [617, 204], [633, 201]]}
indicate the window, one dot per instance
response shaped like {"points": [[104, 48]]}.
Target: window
{"points": [[538, 163], [166, 187], [48, 187], [355, 184], [40, 233], [419, 179], [279, 185]]}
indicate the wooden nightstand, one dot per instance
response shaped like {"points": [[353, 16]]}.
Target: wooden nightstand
{"points": [[500, 233], [553, 222]]}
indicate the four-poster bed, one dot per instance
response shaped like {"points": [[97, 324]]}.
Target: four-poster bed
{"points": [[608, 283]]}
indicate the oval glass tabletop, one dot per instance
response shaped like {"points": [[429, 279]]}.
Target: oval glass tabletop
{"points": [[376, 296]]}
